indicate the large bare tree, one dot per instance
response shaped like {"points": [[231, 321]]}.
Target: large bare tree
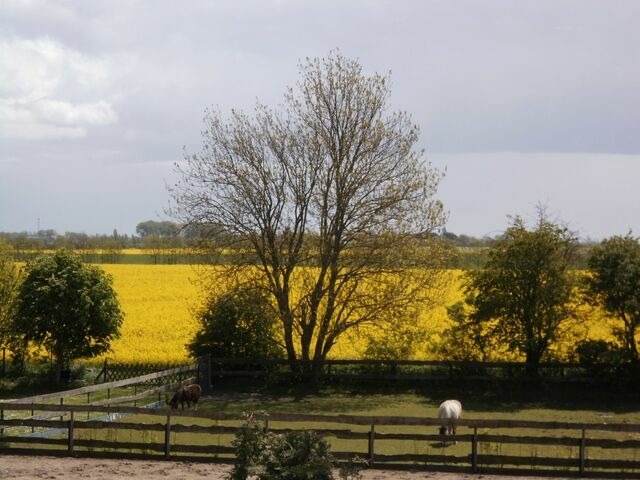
{"points": [[330, 197]]}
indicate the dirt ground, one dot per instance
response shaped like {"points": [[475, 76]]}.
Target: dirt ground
{"points": [[53, 468]]}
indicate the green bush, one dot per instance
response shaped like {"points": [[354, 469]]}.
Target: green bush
{"points": [[591, 352], [240, 323], [294, 455]]}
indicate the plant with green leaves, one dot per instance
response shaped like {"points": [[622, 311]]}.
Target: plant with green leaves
{"points": [[10, 278], [614, 284], [294, 455], [248, 443], [68, 307], [240, 323], [524, 295]]}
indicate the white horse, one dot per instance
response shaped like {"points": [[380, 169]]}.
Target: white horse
{"points": [[450, 411]]}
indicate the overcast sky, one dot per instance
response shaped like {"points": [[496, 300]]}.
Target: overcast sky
{"points": [[522, 102]]}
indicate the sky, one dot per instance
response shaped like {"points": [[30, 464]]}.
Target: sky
{"points": [[521, 103]]}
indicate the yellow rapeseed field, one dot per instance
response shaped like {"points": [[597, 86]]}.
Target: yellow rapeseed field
{"points": [[159, 302]]}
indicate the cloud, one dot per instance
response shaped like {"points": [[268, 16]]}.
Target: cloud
{"points": [[48, 90], [119, 84], [66, 113]]}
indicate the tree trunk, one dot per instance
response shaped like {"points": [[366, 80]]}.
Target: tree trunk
{"points": [[630, 340], [59, 367], [532, 362]]}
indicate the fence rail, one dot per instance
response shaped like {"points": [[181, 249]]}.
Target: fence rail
{"points": [[483, 446], [140, 380], [116, 393], [428, 370]]}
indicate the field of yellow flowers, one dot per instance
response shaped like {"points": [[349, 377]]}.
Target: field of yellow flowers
{"points": [[159, 303]]}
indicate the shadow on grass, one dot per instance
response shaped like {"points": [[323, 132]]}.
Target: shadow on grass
{"points": [[370, 397]]}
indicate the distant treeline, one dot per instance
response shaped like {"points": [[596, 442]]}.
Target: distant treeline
{"points": [[170, 243]]}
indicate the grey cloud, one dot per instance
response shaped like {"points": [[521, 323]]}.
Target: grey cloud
{"points": [[479, 77]]}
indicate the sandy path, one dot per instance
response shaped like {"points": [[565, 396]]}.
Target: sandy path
{"points": [[53, 468]]}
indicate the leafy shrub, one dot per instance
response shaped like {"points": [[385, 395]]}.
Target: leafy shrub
{"points": [[591, 352], [248, 444], [240, 323], [294, 455], [602, 359]]}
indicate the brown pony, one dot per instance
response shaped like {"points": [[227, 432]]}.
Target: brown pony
{"points": [[186, 394]]}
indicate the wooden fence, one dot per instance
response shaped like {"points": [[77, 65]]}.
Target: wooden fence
{"points": [[426, 370], [114, 371], [483, 446], [130, 390]]}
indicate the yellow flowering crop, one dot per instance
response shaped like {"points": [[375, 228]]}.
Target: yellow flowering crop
{"points": [[159, 302]]}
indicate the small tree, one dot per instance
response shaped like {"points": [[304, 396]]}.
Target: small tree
{"points": [[67, 307], [614, 284], [9, 286], [523, 295], [237, 324]]}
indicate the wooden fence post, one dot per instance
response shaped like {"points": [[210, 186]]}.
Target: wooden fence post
{"points": [[583, 447], [167, 438], [372, 436], [474, 450], [103, 373], [203, 372], [70, 435]]}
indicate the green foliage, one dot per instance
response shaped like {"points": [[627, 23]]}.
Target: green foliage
{"points": [[603, 360], [295, 455], [466, 340], [237, 324], [10, 278], [598, 352], [67, 307], [248, 444], [158, 229], [523, 295], [615, 285]]}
